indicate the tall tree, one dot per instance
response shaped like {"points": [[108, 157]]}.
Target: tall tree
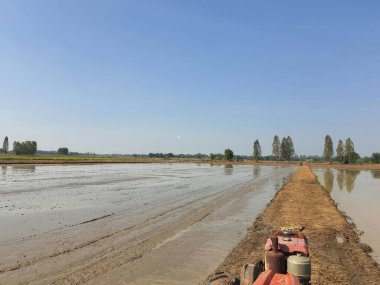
{"points": [[284, 149], [340, 151], [375, 157], [287, 148], [256, 150], [328, 150], [349, 151], [228, 154], [5, 145], [276, 147], [290, 147]]}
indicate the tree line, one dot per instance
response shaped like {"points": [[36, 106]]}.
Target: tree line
{"points": [[19, 148], [283, 150], [345, 153], [27, 148]]}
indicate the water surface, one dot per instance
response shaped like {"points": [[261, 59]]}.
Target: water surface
{"points": [[357, 193], [91, 211]]}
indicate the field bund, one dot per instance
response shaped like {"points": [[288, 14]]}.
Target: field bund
{"points": [[336, 253]]}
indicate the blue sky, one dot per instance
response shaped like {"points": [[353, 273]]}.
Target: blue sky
{"points": [[189, 76]]}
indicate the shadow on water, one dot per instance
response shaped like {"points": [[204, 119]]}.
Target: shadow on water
{"points": [[256, 170], [26, 168], [329, 179], [4, 170], [376, 174], [356, 193], [228, 169], [350, 176], [344, 178], [340, 179]]}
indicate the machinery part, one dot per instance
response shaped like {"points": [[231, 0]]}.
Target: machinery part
{"points": [[300, 266], [297, 243], [270, 278], [250, 272], [222, 278], [274, 259]]}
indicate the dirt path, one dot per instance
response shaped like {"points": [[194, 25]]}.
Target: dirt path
{"points": [[303, 201]]}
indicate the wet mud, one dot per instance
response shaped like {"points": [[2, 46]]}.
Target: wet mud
{"points": [[127, 224]]}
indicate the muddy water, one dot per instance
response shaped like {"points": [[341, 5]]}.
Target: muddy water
{"points": [[126, 224], [357, 193]]}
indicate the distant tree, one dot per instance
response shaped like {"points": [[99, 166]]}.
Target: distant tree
{"points": [[276, 147], [284, 149], [212, 156], [290, 147], [27, 147], [228, 154], [340, 151], [350, 156], [33, 148], [375, 157], [287, 148], [256, 150], [356, 158], [5, 145], [328, 151], [63, 151]]}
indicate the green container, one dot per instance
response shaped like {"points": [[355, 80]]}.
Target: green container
{"points": [[300, 266]]}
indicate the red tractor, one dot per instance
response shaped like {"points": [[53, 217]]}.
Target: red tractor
{"points": [[286, 261]]}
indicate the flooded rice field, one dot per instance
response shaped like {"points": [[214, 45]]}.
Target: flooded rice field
{"points": [[357, 193], [126, 223]]}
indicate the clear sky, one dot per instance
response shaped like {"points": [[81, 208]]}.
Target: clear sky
{"points": [[189, 76]]}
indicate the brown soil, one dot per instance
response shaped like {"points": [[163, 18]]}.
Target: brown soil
{"points": [[304, 202]]}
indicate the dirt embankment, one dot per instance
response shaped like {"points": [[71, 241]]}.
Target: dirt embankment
{"points": [[304, 202]]}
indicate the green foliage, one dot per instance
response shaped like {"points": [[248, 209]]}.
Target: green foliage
{"points": [[25, 148], [284, 149], [350, 154], [239, 157], [228, 154], [5, 145], [290, 147], [362, 160], [340, 151], [168, 155], [287, 148], [256, 150], [63, 151], [276, 147], [328, 149], [212, 156], [375, 158]]}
